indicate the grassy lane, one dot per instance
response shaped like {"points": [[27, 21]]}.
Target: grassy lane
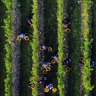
{"points": [[61, 72], [87, 42], [35, 49], [25, 49], [74, 44], [2, 52], [93, 78], [50, 27], [50, 35], [8, 54]]}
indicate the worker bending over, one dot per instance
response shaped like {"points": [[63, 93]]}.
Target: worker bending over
{"points": [[22, 36], [29, 22], [66, 22], [50, 87], [45, 48]]}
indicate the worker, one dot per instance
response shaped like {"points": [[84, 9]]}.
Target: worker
{"points": [[66, 21], [45, 64], [22, 36], [79, 1], [29, 21], [67, 62], [31, 85], [81, 62], [54, 59], [42, 80], [92, 63], [49, 86], [43, 48]]}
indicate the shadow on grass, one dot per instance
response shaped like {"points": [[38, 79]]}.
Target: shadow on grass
{"points": [[74, 43], [2, 51], [26, 50], [50, 35]]}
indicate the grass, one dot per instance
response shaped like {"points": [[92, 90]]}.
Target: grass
{"points": [[76, 30], [50, 34], [8, 53], [74, 45], [61, 72], [25, 49], [87, 42]]}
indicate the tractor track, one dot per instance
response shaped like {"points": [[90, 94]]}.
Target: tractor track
{"points": [[41, 40]]}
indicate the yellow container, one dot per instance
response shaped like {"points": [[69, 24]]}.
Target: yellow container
{"points": [[49, 49], [67, 30], [53, 61], [26, 38], [46, 90], [54, 90], [41, 48], [18, 38], [48, 68], [67, 69], [44, 72]]}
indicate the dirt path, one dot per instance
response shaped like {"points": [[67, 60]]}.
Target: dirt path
{"points": [[65, 48], [16, 48], [41, 39]]}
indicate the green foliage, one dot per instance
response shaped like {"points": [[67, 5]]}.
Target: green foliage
{"points": [[8, 53], [35, 50], [61, 72], [87, 42]]}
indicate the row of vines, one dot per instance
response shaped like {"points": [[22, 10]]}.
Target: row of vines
{"points": [[8, 52], [35, 49], [86, 71], [61, 73]]}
